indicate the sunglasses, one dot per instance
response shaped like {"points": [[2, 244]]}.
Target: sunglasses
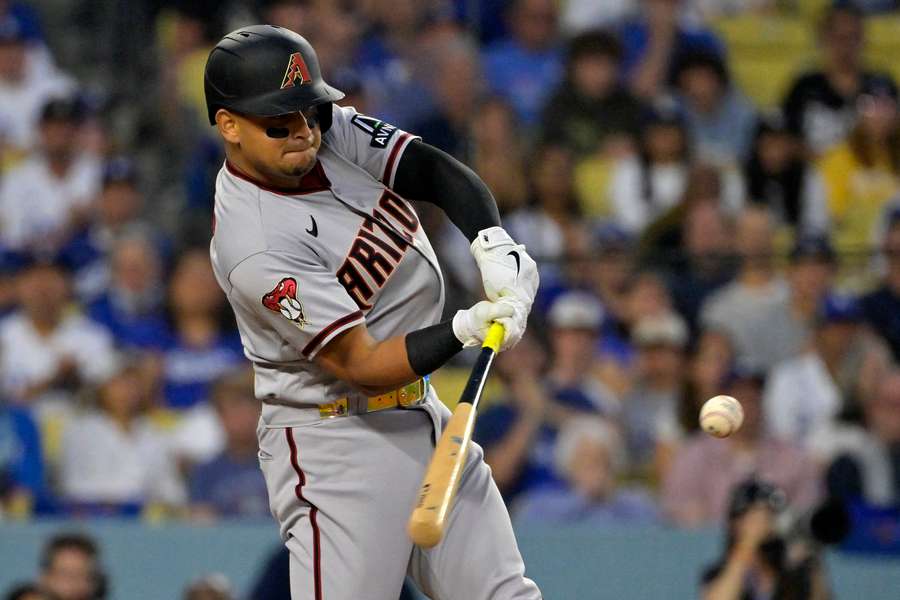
{"points": [[311, 115]]}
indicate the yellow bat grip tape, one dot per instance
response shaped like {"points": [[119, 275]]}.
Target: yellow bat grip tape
{"points": [[494, 337]]}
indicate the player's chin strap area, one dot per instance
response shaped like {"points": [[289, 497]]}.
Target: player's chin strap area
{"points": [[408, 396]]}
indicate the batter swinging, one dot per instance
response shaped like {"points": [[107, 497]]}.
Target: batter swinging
{"points": [[338, 294]]}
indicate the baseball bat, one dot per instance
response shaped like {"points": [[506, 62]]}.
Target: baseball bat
{"points": [[426, 523]]}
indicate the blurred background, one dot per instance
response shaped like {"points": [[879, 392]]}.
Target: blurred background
{"points": [[711, 189]]}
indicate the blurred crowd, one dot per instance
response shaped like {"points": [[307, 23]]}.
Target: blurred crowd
{"points": [[696, 233]]}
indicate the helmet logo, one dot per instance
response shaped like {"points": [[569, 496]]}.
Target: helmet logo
{"points": [[296, 69]]}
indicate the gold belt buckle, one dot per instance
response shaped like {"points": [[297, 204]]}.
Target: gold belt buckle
{"points": [[338, 408], [413, 394]]}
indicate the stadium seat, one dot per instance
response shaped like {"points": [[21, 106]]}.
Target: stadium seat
{"points": [[883, 43], [766, 52]]}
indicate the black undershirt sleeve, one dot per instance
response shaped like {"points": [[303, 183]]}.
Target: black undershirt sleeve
{"points": [[428, 174], [429, 348]]}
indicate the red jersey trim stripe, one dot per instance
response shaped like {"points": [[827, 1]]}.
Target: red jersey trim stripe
{"points": [[312, 348], [399, 145], [313, 514], [314, 181]]}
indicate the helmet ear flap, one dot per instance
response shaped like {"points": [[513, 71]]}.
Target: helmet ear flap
{"points": [[324, 113]]}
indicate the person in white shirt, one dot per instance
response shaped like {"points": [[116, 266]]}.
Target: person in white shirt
{"points": [[806, 394], [45, 197], [113, 458], [646, 185], [48, 350], [28, 79]]}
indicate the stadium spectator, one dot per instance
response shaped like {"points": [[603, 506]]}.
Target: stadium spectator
{"points": [[519, 436], [70, 568], [805, 394], [231, 484], [661, 239], [455, 82], [610, 274], [648, 298], [650, 408], [691, 498], [719, 119], [525, 67], [654, 38], [44, 198], [497, 153], [591, 109], [758, 561], [821, 105], [590, 457], [131, 307], [28, 79], [114, 212], [552, 214], [862, 174], [114, 461], [46, 350], [644, 186], [389, 56], [22, 472], [864, 460], [743, 308], [203, 344], [710, 361], [704, 262], [881, 307], [779, 178]]}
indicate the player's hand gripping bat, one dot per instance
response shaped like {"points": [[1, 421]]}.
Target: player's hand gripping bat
{"points": [[426, 523]]}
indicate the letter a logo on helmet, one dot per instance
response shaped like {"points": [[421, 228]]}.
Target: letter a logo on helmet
{"points": [[296, 69]]}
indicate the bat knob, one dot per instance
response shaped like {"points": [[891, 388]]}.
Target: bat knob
{"points": [[425, 533]]}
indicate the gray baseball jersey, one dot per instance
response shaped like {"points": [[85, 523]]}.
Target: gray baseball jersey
{"points": [[299, 267]]}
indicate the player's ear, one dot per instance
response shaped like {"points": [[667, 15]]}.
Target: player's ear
{"points": [[228, 126]]}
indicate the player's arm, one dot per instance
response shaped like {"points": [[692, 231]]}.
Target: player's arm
{"points": [[428, 174], [377, 367]]}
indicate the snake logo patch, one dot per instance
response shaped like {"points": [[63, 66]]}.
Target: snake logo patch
{"points": [[283, 299]]}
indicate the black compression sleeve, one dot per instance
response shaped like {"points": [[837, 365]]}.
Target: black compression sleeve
{"points": [[428, 349], [431, 175]]}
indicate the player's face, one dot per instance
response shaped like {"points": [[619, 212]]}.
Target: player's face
{"points": [[281, 147]]}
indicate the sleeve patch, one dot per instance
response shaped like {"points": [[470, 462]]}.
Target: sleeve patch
{"points": [[379, 131], [283, 299]]}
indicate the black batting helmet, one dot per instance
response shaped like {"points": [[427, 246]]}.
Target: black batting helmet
{"points": [[266, 71]]}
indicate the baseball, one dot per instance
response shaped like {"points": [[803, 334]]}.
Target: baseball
{"points": [[721, 416]]}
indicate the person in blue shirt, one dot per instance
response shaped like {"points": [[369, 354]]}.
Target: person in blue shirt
{"points": [[654, 39], [231, 484], [881, 307], [131, 308], [204, 343], [519, 436], [21, 461], [526, 67]]}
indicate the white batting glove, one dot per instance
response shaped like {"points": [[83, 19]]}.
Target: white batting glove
{"points": [[506, 269], [471, 326]]}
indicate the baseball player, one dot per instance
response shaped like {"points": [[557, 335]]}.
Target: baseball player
{"points": [[338, 295]]}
